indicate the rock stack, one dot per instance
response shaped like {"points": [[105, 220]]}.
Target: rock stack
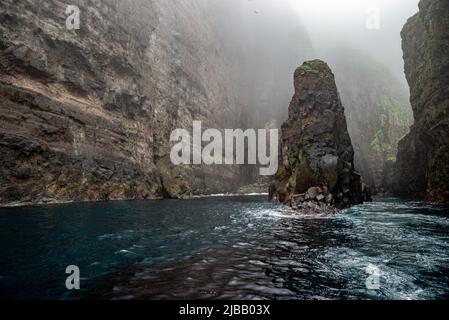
{"points": [[316, 170]]}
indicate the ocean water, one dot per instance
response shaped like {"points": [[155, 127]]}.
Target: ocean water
{"points": [[225, 248]]}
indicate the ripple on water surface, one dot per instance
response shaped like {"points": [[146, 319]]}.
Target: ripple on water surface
{"points": [[226, 248]]}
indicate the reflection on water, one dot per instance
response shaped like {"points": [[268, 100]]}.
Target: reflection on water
{"points": [[225, 248]]}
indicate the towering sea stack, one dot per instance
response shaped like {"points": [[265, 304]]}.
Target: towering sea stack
{"points": [[422, 168], [317, 158]]}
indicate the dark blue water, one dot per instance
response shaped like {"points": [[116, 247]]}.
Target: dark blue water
{"points": [[224, 248]]}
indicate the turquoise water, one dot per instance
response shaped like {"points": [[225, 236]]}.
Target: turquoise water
{"points": [[224, 248]]}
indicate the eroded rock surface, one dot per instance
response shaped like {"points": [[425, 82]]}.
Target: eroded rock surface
{"points": [[87, 114], [317, 157], [422, 168]]}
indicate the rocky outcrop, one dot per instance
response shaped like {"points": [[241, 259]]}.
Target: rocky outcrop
{"points": [[87, 114], [317, 157], [422, 168]]}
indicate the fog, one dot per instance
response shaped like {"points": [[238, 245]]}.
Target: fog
{"points": [[268, 40], [359, 39], [354, 23], [271, 38]]}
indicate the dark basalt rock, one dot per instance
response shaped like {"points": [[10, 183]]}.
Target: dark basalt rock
{"points": [[422, 167], [86, 114], [317, 157]]}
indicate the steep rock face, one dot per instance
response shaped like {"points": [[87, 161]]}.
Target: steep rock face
{"points": [[377, 110], [422, 168], [87, 114], [316, 150]]}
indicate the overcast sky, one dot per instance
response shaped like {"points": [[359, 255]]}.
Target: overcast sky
{"points": [[335, 23], [331, 23]]}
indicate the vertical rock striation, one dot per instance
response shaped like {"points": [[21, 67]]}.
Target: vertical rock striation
{"points": [[422, 168], [317, 157], [87, 114]]}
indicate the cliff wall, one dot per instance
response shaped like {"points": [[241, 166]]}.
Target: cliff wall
{"points": [[87, 114], [422, 168]]}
